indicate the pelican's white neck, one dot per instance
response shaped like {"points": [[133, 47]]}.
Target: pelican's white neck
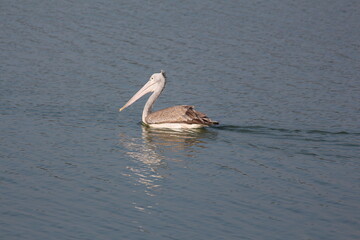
{"points": [[150, 102]]}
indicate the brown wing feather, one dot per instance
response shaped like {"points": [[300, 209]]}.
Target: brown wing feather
{"points": [[179, 114]]}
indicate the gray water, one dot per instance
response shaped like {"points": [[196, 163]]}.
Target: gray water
{"points": [[282, 77]]}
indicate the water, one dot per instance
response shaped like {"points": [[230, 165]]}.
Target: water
{"points": [[281, 77]]}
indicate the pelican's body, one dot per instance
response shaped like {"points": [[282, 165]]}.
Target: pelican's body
{"points": [[182, 116]]}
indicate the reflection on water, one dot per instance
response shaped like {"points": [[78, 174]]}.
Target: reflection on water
{"points": [[146, 172], [175, 140], [150, 152]]}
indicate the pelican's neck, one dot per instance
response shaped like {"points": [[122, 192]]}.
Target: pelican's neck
{"points": [[149, 104]]}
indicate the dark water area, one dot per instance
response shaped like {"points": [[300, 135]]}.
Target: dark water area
{"points": [[281, 77]]}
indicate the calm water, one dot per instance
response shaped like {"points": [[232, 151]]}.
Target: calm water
{"points": [[282, 77]]}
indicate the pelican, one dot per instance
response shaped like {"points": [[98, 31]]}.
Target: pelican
{"points": [[182, 116]]}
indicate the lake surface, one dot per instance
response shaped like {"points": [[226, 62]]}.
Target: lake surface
{"points": [[282, 77]]}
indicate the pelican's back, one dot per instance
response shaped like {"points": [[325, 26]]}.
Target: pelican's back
{"points": [[179, 114]]}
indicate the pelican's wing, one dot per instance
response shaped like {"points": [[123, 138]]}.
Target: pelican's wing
{"points": [[179, 114]]}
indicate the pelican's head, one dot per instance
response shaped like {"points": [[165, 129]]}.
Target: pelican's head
{"points": [[156, 80], [156, 83]]}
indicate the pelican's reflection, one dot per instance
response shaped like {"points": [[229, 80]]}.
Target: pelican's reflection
{"points": [[156, 149], [174, 140], [144, 169]]}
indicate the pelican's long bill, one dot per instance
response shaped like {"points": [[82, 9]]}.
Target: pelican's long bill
{"points": [[148, 87]]}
